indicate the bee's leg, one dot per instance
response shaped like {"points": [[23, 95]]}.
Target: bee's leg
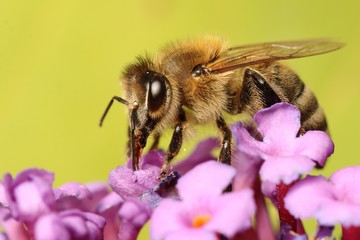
{"points": [[267, 93], [155, 144], [128, 144], [175, 144], [225, 152]]}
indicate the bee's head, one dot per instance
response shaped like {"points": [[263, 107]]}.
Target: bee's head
{"points": [[149, 95]]}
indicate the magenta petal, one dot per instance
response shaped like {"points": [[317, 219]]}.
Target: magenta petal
{"points": [[334, 212], [346, 184], [30, 194], [109, 204], [50, 227], [128, 183], [82, 225], [245, 142], [270, 119], [133, 214], [285, 169], [167, 218], [98, 190], [153, 158], [209, 178], [316, 145], [233, 213], [247, 168], [314, 191], [191, 234], [322, 203], [72, 189], [202, 153]]}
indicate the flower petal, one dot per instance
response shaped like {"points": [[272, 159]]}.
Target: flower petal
{"points": [[209, 178], [346, 184], [233, 213], [285, 169], [202, 153], [128, 183], [280, 114], [30, 194], [314, 191], [316, 145], [191, 234], [245, 142], [167, 218], [50, 227]]}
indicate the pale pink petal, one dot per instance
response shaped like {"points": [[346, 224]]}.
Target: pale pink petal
{"points": [[247, 169], [209, 178], [306, 197], [128, 183], [169, 217], [346, 184], [245, 142], [202, 153], [190, 234], [233, 213], [336, 212], [30, 194], [50, 227], [316, 145], [285, 169], [279, 123]]}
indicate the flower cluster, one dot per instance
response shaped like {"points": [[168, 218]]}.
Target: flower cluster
{"points": [[201, 198]]}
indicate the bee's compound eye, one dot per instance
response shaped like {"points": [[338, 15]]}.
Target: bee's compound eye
{"points": [[199, 70], [156, 91]]}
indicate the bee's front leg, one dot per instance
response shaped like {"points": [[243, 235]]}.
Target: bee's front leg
{"points": [[225, 152], [175, 144]]}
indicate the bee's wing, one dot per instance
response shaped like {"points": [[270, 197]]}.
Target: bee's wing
{"points": [[251, 54]]}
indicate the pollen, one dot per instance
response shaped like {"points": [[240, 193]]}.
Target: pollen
{"points": [[200, 220]]}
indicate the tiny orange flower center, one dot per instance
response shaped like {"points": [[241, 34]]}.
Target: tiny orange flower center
{"points": [[200, 220]]}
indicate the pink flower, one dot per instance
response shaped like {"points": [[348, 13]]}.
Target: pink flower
{"points": [[30, 194], [69, 225], [128, 183], [203, 211], [286, 156], [332, 201]]}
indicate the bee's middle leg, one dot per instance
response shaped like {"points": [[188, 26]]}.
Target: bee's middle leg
{"points": [[175, 144], [225, 152]]}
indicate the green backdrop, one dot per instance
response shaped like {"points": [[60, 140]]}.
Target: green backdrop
{"points": [[60, 63]]}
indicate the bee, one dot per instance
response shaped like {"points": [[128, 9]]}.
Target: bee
{"points": [[207, 78]]}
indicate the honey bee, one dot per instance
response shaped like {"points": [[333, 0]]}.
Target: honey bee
{"points": [[207, 78]]}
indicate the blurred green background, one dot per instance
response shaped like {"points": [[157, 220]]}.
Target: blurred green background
{"points": [[60, 63]]}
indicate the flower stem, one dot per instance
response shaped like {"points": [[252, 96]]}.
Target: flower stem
{"points": [[284, 215], [263, 223], [349, 233]]}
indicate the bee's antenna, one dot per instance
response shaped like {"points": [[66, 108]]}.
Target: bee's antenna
{"points": [[119, 99]]}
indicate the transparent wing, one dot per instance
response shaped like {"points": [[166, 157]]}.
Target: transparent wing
{"points": [[251, 54]]}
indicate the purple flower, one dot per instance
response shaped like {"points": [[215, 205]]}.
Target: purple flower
{"points": [[203, 211], [30, 194], [128, 183], [81, 196], [332, 201], [13, 228], [69, 225], [133, 214], [286, 156], [108, 208]]}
